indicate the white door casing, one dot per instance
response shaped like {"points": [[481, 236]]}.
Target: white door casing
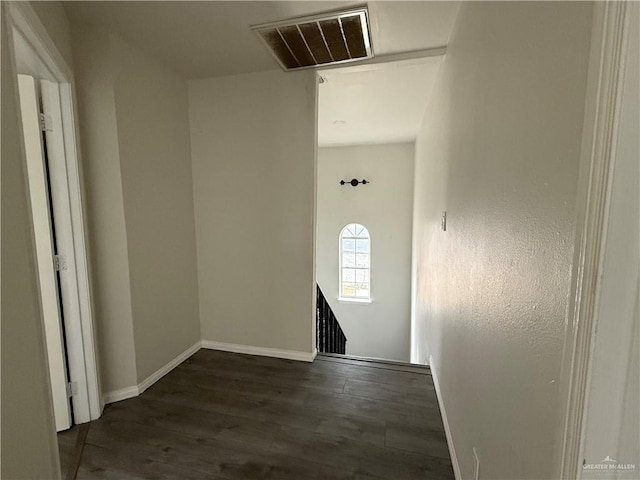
{"points": [[602, 114], [68, 206], [58, 180], [44, 243]]}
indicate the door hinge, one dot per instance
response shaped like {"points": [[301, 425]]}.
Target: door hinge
{"points": [[72, 389], [46, 125], [59, 263]]}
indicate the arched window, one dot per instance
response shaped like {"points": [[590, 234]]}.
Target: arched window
{"points": [[355, 263]]}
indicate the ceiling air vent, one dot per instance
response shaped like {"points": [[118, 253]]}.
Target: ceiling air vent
{"points": [[330, 38]]}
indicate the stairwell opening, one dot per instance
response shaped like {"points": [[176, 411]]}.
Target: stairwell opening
{"points": [[368, 118]]}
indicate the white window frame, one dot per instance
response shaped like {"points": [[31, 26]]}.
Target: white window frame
{"points": [[341, 237]]}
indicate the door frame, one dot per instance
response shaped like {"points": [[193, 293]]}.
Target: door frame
{"points": [[79, 323], [600, 131], [44, 236]]}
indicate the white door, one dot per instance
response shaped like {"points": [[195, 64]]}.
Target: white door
{"points": [[45, 246]]}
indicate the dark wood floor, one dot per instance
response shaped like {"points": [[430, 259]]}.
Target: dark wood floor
{"points": [[228, 416]]}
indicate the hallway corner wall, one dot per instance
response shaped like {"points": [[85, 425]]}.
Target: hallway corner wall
{"points": [[106, 226], [134, 126], [152, 114]]}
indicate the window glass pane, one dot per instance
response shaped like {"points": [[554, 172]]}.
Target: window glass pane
{"points": [[362, 291], [348, 245], [349, 259], [362, 276], [362, 260], [355, 258], [362, 245], [348, 290], [348, 275]]}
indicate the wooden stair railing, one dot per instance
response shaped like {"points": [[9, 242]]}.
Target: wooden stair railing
{"points": [[330, 337]]}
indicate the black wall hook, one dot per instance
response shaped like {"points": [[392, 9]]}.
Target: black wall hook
{"points": [[354, 182]]}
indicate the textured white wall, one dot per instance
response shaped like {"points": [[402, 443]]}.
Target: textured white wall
{"points": [[499, 151], [253, 150], [381, 328]]}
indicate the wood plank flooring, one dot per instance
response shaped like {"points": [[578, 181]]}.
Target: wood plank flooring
{"points": [[228, 416]]}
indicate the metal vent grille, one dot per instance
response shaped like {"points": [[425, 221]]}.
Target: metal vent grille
{"points": [[319, 40]]}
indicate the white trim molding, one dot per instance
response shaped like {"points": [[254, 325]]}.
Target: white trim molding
{"points": [[600, 131], [23, 18], [121, 394], [445, 421], [134, 391], [261, 351], [161, 372], [80, 249]]}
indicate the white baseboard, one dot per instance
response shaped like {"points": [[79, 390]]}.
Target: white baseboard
{"points": [[161, 372], [134, 391], [121, 394], [261, 351], [445, 421]]}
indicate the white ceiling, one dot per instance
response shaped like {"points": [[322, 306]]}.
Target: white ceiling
{"points": [[382, 103], [203, 39]]}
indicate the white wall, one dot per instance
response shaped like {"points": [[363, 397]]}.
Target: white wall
{"points": [[253, 150], [133, 116], [381, 328], [155, 162], [28, 444], [611, 418], [105, 209], [499, 151]]}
